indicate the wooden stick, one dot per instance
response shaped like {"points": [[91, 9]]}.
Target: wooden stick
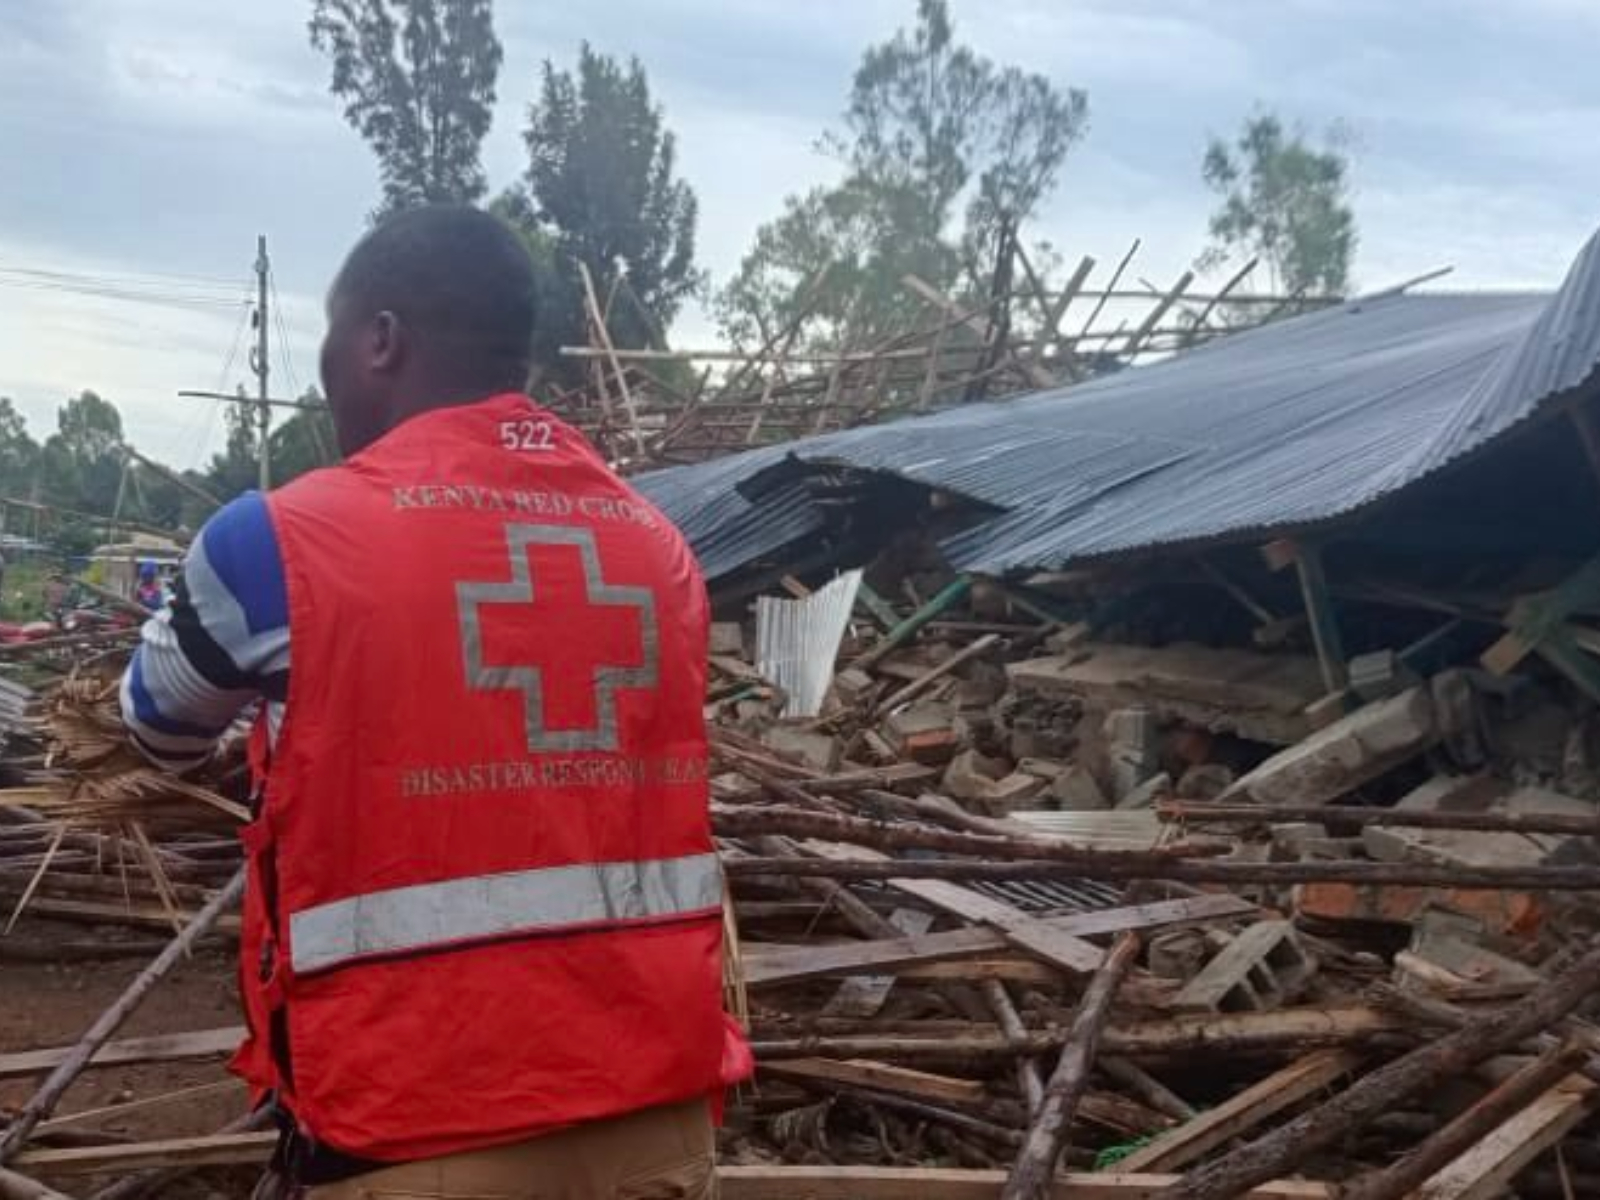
{"points": [[43, 1102], [1449, 1056], [146, 1183], [748, 821], [1147, 1088], [1191, 813], [1031, 1175], [1125, 865], [926, 680], [1396, 1181], [1207, 1033], [1015, 1032]]}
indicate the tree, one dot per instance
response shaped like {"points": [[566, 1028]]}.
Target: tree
{"points": [[941, 147], [81, 463], [238, 468], [417, 78], [1286, 201], [601, 189], [19, 453], [305, 441]]}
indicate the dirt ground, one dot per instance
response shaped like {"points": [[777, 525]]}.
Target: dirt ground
{"points": [[44, 1004]]}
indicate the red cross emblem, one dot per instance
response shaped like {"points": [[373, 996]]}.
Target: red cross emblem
{"points": [[564, 610]]}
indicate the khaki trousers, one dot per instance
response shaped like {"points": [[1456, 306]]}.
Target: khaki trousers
{"points": [[659, 1154]]}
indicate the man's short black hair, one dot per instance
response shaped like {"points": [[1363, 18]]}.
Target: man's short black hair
{"points": [[459, 279]]}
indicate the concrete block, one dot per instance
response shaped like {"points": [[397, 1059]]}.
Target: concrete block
{"points": [[1257, 696], [853, 685], [1075, 790], [1467, 848], [1015, 791], [1178, 954], [1133, 747], [971, 774], [804, 746], [1348, 753], [1262, 968]]}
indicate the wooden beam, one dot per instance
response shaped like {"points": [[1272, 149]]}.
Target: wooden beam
{"points": [[1324, 622], [881, 1077], [1137, 337], [212, 1150], [766, 966], [165, 1047], [1026, 932], [1242, 1113], [938, 1183]]}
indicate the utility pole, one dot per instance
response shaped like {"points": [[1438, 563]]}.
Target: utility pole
{"points": [[261, 365]]}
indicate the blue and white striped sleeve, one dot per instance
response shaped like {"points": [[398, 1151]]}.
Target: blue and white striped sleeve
{"points": [[222, 642]]}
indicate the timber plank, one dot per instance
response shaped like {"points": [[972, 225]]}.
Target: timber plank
{"points": [[165, 1047], [1218, 1126], [737, 1183], [930, 1183], [1484, 1171], [881, 1076], [765, 966]]}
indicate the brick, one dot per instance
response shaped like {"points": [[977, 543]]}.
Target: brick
{"points": [[853, 685], [923, 733], [1348, 753], [1512, 914], [1262, 968]]}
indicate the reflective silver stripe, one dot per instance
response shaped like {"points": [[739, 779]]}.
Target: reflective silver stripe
{"points": [[434, 916]]}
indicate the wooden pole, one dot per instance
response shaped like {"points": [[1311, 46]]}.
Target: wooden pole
{"points": [[1121, 865], [1381, 1090], [1016, 1034], [1032, 1174], [44, 1101], [1193, 813], [1396, 1181]]}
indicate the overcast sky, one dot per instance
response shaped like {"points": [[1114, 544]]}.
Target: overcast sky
{"points": [[160, 136]]}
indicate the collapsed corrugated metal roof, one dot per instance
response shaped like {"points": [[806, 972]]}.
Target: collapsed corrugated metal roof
{"points": [[1283, 426]]}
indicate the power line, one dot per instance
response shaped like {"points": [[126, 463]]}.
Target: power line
{"points": [[283, 337], [145, 279]]}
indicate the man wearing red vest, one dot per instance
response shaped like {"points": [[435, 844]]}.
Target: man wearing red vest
{"points": [[481, 946]]}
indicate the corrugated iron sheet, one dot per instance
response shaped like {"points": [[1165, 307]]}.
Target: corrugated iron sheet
{"points": [[1287, 425], [797, 641]]}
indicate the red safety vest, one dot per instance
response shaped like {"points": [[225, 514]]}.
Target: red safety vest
{"points": [[484, 900]]}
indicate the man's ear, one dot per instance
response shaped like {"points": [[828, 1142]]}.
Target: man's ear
{"points": [[387, 344]]}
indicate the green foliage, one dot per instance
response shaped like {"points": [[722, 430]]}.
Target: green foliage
{"points": [[417, 78], [19, 454], [81, 463], [1286, 201], [305, 441], [940, 145], [602, 189], [238, 468]]}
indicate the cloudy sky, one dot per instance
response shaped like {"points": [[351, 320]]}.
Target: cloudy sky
{"points": [[148, 142]]}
